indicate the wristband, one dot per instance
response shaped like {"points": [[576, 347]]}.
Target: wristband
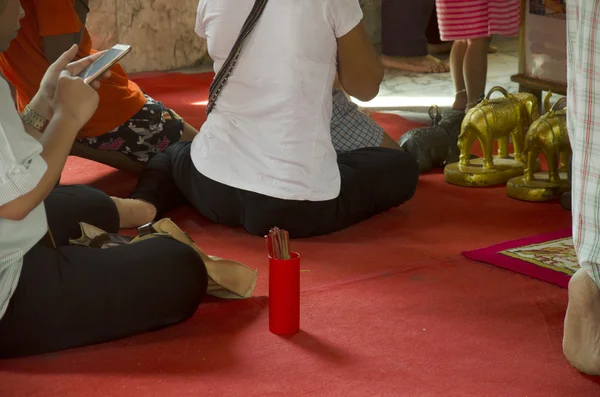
{"points": [[30, 117]]}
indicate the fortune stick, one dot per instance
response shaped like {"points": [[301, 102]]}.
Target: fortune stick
{"points": [[278, 243]]}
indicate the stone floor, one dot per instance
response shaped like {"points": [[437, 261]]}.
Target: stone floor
{"points": [[411, 94]]}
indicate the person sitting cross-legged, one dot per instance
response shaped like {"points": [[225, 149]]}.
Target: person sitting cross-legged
{"points": [[265, 155], [55, 295]]}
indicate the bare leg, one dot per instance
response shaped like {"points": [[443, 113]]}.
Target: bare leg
{"points": [[457, 57], [422, 64], [111, 158], [475, 69], [134, 212], [439, 49], [446, 47], [581, 342]]}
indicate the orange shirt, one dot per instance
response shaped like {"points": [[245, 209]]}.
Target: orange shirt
{"points": [[24, 65]]}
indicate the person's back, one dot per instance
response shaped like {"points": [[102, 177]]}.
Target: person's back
{"points": [[270, 130], [265, 157]]}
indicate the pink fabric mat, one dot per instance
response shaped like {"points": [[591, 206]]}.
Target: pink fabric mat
{"points": [[547, 265]]}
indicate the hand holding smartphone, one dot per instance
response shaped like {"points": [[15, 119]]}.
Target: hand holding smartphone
{"points": [[105, 62]]}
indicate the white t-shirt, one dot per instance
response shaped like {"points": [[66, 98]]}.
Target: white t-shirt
{"points": [[269, 131]]}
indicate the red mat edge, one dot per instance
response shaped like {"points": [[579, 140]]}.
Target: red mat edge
{"points": [[491, 255]]}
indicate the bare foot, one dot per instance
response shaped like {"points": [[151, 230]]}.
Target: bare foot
{"points": [[581, 341], [426, 64], [134, 213]]}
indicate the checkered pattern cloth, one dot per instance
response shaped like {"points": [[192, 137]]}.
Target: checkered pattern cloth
{"points": [[583, 48], [351, 129]]}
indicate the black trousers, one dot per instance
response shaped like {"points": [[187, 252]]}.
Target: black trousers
{"points": [[408, 26], [374, 180], [76, 296]]}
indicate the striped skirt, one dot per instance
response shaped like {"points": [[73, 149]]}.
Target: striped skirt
{"points": [[472, 19]]}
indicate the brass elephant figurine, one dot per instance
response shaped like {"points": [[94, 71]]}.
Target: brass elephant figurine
{"points": [[548, 135], [498, 119]]}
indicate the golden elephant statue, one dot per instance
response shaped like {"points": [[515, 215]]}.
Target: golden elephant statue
{"points": [[498, 119], [549, 135]]}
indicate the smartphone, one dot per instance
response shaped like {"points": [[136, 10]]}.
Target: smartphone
{"points": [[105, 62]]}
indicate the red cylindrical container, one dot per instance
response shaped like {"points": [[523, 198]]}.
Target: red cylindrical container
{"points": [[284, 295]]}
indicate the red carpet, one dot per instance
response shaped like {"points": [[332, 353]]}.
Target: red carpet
{"points": [[430, 329], [389, 308]]}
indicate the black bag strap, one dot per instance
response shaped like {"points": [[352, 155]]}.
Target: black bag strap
{"points": [[221, 78]]}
